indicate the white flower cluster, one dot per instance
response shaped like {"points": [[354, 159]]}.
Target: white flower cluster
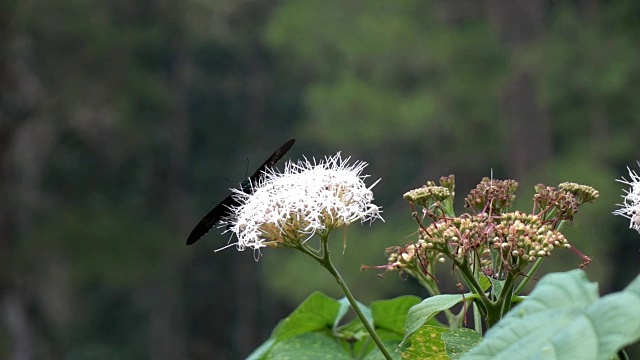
{"points": [[630, 208], [305, 199]]}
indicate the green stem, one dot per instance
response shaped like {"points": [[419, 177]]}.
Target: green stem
{"points": [[309, 250], [497, 309], [417, 274], [472, 282], [506, 295], [493, 313], [325, 261], [529, 276]]}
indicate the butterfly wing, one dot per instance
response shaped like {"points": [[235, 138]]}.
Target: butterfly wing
{"points": [[208, 221], [272, 160], [222, 209]]}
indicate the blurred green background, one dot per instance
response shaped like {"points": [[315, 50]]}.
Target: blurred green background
{"points": [[122, 122]]}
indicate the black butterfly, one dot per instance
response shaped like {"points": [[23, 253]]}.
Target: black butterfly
{"points": [[221, 210]]}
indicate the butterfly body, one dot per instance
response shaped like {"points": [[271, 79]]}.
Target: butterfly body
{"points": [[222, 210]]}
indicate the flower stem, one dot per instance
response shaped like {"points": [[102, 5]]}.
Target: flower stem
{"points": [[528, 277], [326, 263]]}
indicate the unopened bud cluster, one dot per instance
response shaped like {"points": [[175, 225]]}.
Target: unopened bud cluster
{"points": [[427, 195], [525, 236], [490, 232], [492, 195], [410, 256]]}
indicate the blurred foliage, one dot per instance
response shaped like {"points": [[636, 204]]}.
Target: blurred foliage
{"points": [[415, 88], [95, 241], [391, 70]]}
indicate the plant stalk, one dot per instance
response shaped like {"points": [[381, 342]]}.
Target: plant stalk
{"points": [[326, 263]]}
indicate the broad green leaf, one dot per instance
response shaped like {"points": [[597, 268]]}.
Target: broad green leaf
{"points": [[345, 305], [388, 335], [262, 350], [354, 337], [419, 314], [319, 346], [459, 341], [353, 333], [564, 319], [312, 346], [391, 345], [426, 343], [388, 317], [319, 312], [392, 314], [354, 329], [316, 312], [344, 308]]}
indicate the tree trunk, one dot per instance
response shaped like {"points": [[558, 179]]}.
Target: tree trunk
{"points": [[20, 94]]}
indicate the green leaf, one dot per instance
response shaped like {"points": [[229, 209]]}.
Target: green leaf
{"points": [[344, 308], [375, 354], [312, 346], [320, 346], [497, 286], [317, 312], [392, 314], [262, 350], [388, 318], [419, 314], [459, 341], [563, 318], [354, 337], [485, 282], [426, 343], [345, 305]]}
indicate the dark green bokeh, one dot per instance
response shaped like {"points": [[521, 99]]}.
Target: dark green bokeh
{"points": [[120, 122]]}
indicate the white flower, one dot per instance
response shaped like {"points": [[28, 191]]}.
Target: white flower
{"points": [[630, 208], [306, 198]]}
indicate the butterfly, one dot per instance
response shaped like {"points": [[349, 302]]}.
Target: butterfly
{"points": [[223, 209]]}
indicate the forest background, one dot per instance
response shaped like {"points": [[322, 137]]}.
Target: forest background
{"points": [[121, 122]]}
